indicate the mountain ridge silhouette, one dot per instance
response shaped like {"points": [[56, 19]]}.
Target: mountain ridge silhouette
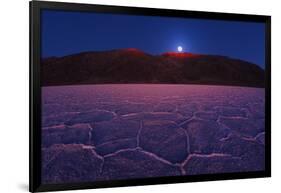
{"points": [[132, 65]]}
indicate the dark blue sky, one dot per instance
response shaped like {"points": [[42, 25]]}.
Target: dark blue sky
{"points": [[66, 33]]}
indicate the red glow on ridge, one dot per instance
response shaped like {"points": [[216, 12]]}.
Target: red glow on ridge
{"points": [[181, 54], [133, 51]]}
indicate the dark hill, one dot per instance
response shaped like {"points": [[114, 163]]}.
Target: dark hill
{"points": [[134, 66]]}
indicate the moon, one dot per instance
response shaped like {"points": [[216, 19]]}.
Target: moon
{"points": [[179, 49]]}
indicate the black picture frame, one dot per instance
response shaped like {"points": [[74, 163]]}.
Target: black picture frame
{"points": [[35, 94]]}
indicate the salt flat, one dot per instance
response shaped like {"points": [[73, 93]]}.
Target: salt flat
{"points": [[107, 132]]}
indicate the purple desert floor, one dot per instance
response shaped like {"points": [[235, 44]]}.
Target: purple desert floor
{"points": [[108, 132]]}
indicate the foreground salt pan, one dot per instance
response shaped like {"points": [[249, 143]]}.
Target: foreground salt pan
{"points": [[107, 132]]}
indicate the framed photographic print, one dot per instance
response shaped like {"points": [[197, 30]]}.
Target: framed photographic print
{"points": [[123, 96]]}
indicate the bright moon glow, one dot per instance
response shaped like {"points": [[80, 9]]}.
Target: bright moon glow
{"points": [[179, 48]]}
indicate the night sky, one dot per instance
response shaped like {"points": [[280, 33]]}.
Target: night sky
{"points": [[65, 33]]}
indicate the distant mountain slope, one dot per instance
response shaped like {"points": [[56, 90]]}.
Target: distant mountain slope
{"points": [[134, 66]]}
